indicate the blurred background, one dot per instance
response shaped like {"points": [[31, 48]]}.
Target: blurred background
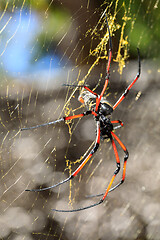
{"points": [[43, 45]]}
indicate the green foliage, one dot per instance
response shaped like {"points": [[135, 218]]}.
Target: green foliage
{"points": [[142, 29]]}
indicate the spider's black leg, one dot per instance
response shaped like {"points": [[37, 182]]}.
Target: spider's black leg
{"points": [[80, 166], [78, 209], [61, 120], [117, 160], [124, 164], [108, 188], [43, 125], [132, 83]]}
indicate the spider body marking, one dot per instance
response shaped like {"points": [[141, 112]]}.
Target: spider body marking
{"points": [[104, 114], [101, 111], [106, 127]]}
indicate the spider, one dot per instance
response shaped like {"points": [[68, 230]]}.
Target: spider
{"points": [[101, 111]]}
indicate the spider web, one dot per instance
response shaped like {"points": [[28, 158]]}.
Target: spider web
{"points": [[45, 44]]}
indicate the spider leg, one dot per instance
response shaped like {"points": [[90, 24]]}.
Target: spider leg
{"points": [[78, 209], [61, 120], [117, 157], [118, 126], [108, 188], [84, 86], [80, 166], [132, 83], [125, 160], [42, 125], [98, 99], [89, 90], [108, 66]]}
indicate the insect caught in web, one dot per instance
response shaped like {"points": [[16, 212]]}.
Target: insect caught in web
{"points": [[101, 110]]}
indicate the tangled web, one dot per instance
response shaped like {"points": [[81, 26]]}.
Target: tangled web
{"points": [[45, 44]]}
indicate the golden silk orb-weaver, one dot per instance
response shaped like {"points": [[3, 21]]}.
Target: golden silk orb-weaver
{"points": [[101, 110]]}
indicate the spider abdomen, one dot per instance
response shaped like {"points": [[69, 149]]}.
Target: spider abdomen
{"points": [[105, 127]]}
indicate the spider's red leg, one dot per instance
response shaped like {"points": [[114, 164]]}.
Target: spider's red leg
{"points": [[80, 115], [61, 120], [125, 160], [91, 153], [117, 160], [108, 188], [84, 86], [103, 90], [117, 121], [118, 126], [80, 166], [115, 172], [89, 90], [108, 67], [132, 83], [107, 76]]}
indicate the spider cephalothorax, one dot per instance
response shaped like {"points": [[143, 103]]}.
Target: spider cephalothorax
{"points": [[101, 111], [104, 112], [105, 108], [89, 100]]}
